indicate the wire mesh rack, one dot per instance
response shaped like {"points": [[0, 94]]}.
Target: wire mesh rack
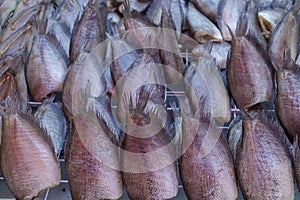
{"points": [[62, 191]]}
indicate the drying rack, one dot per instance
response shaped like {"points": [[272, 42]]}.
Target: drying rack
{"points": [[62, 192]]}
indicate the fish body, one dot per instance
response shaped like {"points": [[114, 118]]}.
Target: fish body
{"points": [[89, 31], [249, 75], [46, 68], [264, 165], [52, 119], [24, 143], [204, 87], [91, 156], [286, 105], [206, 177], [284, 36]]}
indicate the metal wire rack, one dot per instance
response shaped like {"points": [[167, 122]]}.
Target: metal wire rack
{"points": [[62, 191]]}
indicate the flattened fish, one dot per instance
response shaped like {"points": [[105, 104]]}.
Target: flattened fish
{"points": [[235, 136], [208, 8], [201, 27], [90, 30], [206, 165], [288, 91], [284, 36], [249, 72], [148, 164], [264, 165], [92, 156], [46, 68], [84, 71], [206, 90], [229, 15], [25, 143], [169, 50], [268, 20], [218, 51]]}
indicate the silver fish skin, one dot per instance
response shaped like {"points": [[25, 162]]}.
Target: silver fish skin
{"points": [[229, 19], [285, 36], [235, 136], [209, 8], [203, 29], [51, 117], [6, 8], [204, 86], [218, 51], [268, 20]]}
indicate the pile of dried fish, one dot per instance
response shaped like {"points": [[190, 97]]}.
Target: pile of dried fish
{"points": [[68, 61]]}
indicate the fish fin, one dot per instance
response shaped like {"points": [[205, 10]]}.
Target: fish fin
{"points": [[27, 116], [208, 46], [288, 61], [57, 44], [106, 120], [295, 148], [244, 112], [12, 104], [127, 10]]}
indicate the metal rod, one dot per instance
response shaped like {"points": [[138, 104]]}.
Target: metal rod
{"points": [[46, 195]]}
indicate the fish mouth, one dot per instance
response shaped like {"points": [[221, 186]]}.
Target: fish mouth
{"points": [[140, 119]]}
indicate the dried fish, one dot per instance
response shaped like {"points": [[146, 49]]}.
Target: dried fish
{"points": [[91, 155], [18, 22], [141, 34], [6, 9], [52, 119], [68, 13], [24, 143], [90, 30], [264, 165], [25, 5], [206, 166], [152, 74], [288, 92], [136, 5], [47, 67], [152, 174], [230, 19], [249, 73], [202, 28], [218, 51], [123, 59], [206, 90], [55, 29], [169, 51], [269, 19], [178, 13], [208, 8], [266, 4], [7, 86], [17, 42], [85, 70], [154, 13], [284, 36]]}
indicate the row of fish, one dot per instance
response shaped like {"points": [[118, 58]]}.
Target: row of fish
{"points": [[94, 52]]}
